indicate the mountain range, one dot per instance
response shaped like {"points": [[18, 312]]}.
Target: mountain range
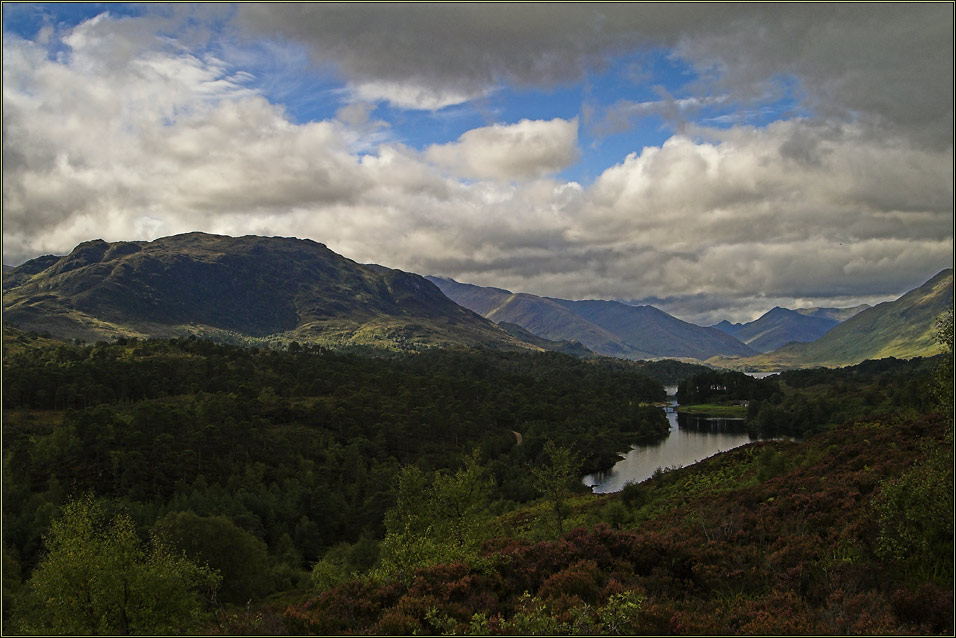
{"points": [[275, 290], [606, 327], [778, 327]]}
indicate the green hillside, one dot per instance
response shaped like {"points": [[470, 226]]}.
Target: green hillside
{"points": [[903, 328], [240, 289], [575, 348]]}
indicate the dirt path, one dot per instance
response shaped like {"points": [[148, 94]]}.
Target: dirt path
{"points": [[518, 438]]}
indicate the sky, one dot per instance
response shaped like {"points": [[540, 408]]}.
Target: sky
{"points": [[714, 160]]}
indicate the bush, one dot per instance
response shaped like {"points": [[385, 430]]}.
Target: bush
{"points": [[241, 559]]}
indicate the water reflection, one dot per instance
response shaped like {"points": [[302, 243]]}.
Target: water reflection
{"points": [[692, 438], [714, 425]]}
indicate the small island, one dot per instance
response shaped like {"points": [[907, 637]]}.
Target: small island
{"points": [[725, 410]]}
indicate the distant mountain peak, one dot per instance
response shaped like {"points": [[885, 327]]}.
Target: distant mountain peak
{"points": [[607, 327], [903, 328], [780, 326]]}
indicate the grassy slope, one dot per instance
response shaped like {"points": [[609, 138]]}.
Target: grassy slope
{"points": [[903, 328]]}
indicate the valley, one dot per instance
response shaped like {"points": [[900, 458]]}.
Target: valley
{"points": [[778, 340], [490, 319]]}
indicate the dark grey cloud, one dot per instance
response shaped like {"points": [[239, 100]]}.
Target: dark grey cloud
{"points": [[888, 63], [462, 47]]}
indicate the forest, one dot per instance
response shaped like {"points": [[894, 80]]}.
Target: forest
{"points": [[802, 402], [290, 452], [187, 486]]}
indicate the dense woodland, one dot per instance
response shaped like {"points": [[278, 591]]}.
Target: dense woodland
{"points": [[289, 452], [190, 486], [803, 402]]}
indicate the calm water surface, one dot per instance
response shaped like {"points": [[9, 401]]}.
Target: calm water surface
{"points": [[690, 441]]}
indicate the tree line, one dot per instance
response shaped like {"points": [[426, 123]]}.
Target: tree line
{"points": [[803, 402]]}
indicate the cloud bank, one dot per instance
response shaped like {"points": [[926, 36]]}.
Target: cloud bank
{"points": [[890, 64], [128, 133]]}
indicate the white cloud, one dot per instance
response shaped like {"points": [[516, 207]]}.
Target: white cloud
{"points": [[113, 133], [408, 95], [526, 150], [743, 183], [736, 221]]}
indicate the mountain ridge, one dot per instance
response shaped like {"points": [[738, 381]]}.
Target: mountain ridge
{"points": [[539, 315], [653, 330], [837, 314], [236, 288]]}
